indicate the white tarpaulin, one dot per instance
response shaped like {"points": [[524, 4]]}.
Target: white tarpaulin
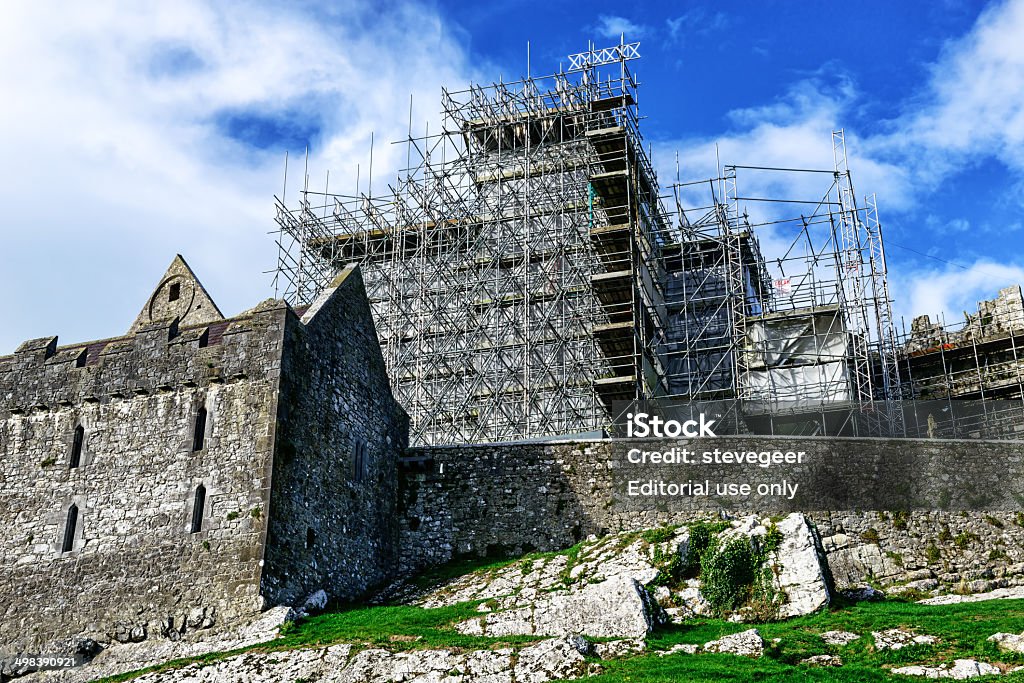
{"points": [[795, 340], [806, 386], [797, 361]]}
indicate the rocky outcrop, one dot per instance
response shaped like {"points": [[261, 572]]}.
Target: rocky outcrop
{"points": [[616, 607], [118, 658], [1014, 593], [897, 639], [607, 588], [1008, 642], [959, 670], [598, 591], [745, 643], [803, 573], [554, 659], [839, 638]]}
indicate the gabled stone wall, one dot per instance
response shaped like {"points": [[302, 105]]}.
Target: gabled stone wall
{"points": [[135, 568]]}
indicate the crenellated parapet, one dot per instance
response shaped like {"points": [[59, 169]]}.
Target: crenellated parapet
{"points": [[158, 357]]}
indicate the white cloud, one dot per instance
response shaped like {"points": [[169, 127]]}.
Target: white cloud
{"points": [[970, 110], [951, 290], [614, 27], [124, 129], [696, 21]]}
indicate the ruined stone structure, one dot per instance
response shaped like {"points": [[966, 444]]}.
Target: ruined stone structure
{"points": [[197, 469], [966, 379], [200, 469]]}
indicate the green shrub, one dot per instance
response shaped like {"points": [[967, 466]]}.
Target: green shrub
{"points": [[727, 574], [702, 537], [870, 536], [932, 554], [900, 519], [772, 540], [964, 539], [997, 554], [659, 535]]}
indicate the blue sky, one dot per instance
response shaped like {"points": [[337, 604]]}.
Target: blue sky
{"points": [[131, 132]]}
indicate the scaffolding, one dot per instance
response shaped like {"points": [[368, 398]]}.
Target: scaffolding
{"points": [[511, 268], [799, 341], [966, 379], [526, 276]]}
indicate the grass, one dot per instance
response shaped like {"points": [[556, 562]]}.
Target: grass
{"points": [[962, 629]]}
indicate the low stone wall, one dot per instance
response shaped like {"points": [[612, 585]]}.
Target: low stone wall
{"points": [[507, 499]]}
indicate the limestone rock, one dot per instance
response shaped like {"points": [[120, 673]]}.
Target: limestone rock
{"points": [[861, 593], [1008, 642], [557, 658], [800, 568], [897, 639], [613, 649], [617, 607], [959, 670], [839, 637], [1013, 593], [685, 648], [554, 659], [691, 603], [314, 604], [822, 660], [745, 643], [802, 573], [923, 585], [601, 594], [850, 565]]}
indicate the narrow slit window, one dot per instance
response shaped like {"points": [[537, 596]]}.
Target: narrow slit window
{"points": [[310, 538], [69, 529], [198, 505], [76, 448], [174, 293], [359, 464], [199, 437]]}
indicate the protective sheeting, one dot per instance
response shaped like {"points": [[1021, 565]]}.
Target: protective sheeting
{"points": [[797, 361], [805, 386]]}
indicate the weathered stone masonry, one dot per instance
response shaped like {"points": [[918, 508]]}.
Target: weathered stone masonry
{"points": [[510, 498], [273, 467]]}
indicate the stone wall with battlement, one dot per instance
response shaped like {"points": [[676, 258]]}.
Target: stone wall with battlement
{"points": [[292, 408], [135, 565]]}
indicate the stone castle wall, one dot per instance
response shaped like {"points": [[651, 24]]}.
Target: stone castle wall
{"points": [[333, 522], [297, 467], [135, 567], [507, 499]]}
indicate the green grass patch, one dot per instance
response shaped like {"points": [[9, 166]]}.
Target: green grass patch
{"points": [[962, 630]]}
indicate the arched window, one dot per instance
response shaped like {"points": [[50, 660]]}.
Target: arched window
{"points": [[69, 529], [200, 432], [197, 509], [76, 448]]}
